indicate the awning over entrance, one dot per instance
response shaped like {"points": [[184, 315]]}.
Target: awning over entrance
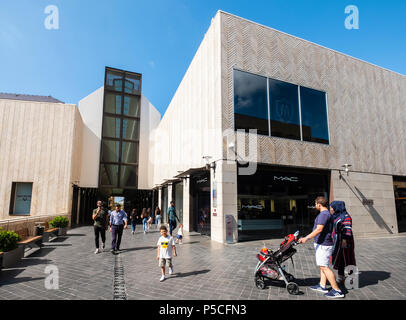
{"points": [[190, 172]]}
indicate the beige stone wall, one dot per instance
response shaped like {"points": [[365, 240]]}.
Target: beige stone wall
{"points": [[366, 103], [191, 126], [39, 144], [379, 218], [225, 177]]}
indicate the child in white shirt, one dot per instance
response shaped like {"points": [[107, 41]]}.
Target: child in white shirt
{"points": [[179, 236], [166, 250]]}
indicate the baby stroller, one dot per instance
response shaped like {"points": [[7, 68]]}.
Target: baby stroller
{"points": [[269, 265]]}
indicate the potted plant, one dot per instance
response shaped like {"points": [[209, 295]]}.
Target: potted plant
{"points": [[61, 223], [12, 253]]}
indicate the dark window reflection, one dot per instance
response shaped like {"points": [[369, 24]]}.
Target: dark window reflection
{"points": [[250, 102], [285, 122], [128, 176], [132, 84], [114, 81], [110, 151], [130, 129], [314, 115], [131, 106], [129, 152], [111, 127], [109, 174], [112, 103]]}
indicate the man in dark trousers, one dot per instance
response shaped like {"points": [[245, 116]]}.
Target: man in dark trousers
{"points": [[172, 217], [118, 222], [100, 218]]}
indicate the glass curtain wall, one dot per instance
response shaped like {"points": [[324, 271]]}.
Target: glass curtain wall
{"points": [[279, 109], [121, 130]]}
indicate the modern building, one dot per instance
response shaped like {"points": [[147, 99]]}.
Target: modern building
{"points": [[314, 109], [40, 143], [261, 124]]}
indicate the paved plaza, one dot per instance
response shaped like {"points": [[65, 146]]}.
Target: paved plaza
{"points": [[203, 269]]}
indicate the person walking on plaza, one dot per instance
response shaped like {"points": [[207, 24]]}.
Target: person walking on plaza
{"points": [[179, 236], [118, 222], [323, 245], [172, 217], [166, 251], [100, 218], [144, 217], [157, 216], [150, 219], [343, 254], [133, 217]]}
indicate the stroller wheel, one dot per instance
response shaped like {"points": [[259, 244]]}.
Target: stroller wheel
{"points": [[292, 288], [259, 283]]}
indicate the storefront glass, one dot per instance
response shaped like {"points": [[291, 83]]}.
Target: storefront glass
{"points": [[275, 202]]}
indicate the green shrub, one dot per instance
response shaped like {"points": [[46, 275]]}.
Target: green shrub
{"points": [[8, 240], [59, 222]]}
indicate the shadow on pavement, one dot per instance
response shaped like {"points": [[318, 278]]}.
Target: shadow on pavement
{"points": [[187, 274], [74, 235], [185, 243], [7, 278], [137, 248], [41, 253], [367, 278]]}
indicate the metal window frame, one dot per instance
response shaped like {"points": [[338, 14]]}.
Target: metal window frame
{"points": [[13, 196], [269, 108], [233, 87], [122, 117]]}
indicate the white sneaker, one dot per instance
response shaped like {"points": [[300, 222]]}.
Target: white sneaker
{"points": [[162, 278], [97, 251], [170, 270]]}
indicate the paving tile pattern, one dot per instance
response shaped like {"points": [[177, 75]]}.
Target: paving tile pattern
{"points": [[203, 270]]}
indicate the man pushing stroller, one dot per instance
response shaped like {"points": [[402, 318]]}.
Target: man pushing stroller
{"points": [[324, 246]]}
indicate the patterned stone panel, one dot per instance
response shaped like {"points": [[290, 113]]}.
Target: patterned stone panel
{"points": [[366, 103]]}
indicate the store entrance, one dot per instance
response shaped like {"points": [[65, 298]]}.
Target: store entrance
{"points": [[277, 201], [399, 186], [200, 189]]}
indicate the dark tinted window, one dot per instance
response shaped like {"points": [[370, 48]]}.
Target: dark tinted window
{"points": [[112, 103], [131, 129], [114, 81], [250, 102], [131, 106], [110, 151], [132, 84], [129, 152], [285, 122], [109, 174], [111, 127], [128, 176], [314, 115]]}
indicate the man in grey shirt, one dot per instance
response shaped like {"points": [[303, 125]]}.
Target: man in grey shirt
{"points": [[118, 222]]}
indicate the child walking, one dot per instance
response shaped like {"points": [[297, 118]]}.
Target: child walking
{"points": [[166, 250], [179, 236]]}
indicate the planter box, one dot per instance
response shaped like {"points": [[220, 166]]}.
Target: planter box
{"points": [[12, 257], [62, 231]]}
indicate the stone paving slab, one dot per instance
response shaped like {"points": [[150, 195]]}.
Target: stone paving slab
{"points": [[204, 270]]}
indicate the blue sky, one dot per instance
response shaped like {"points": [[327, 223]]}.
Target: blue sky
{"points": [[159, 38]]}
